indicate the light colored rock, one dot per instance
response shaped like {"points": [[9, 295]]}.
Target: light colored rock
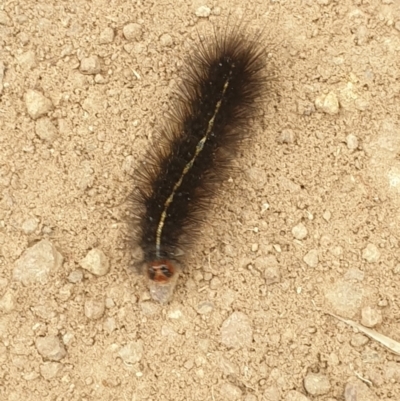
{"points": [[236, 331], [311, 258], [30, 225], [49, 370], [96, 262], [132, 32], [358, 391], [36, 263], [132, 352], [27, 60], [287, 136], [328, 104], [358, 340], [370, 317], [110, 325], [316, 384], [50, 347], [94, 308], [299, 231], [345, 298], [166, 40], [7, 302], [106, 36], [352, 142], [294, 395], [37, 104], [205, 307], [203, 12], [75, 277], [2, 70], [90, 65], [371, 253], [229, 391], [45, 129]]}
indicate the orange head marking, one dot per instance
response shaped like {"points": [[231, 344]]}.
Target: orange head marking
{"points": [[160, 271]]}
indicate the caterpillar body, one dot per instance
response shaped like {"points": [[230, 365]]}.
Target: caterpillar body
{"points": [[223, 82]]}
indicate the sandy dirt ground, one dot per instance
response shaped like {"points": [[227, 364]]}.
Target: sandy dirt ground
{"points": [[311, 225]]}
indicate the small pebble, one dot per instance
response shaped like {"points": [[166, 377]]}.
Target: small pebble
{"points": [[287, 136], [203, 12], [49, 370], [254, 247], [106, 36], [50, 347], [94, 308], [294, 395], [311, 258], [90, 65], [352, 142], [358, 391], [371, 253], [328, 104], [166, 40], [37, 104], [358, 340], [7, 302], [236, 331], [46, 130], [132, 352], [215, 283], [2, 70], [316, 384], [327, 215], [30, 225], [96, 262], [75, 277], [300, 231], [345, 298], [370, 317], [229, 391], [110, 325], [205, 307], [132, 32], [36, 263]]}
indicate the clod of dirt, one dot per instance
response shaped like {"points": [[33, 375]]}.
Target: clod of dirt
{"points": [[371, 317], [50, 347], [36, 263], [316, 384], [96, 262], [236, 331], [37, 104]]}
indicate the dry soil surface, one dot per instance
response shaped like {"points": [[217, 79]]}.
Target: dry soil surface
{"points": [[311, 225]]}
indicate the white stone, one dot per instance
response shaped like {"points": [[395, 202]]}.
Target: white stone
{"points": [[371, 253], [236, 331], [316, 384], [7, 302], [49, 370], [36, 263], [106, 36], [96, 262], [166, 40], [328, 104], [37, 104], [352, 142], [132, 352], [203, 12], [294, 395], [370, 317], [299, 231], [45, 129], [132, 31], [50, 347], [94, 308], [90, 65], [230, 392], [311, 258], [30, 225]]}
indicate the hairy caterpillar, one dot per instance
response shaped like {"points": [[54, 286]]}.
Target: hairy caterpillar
{"points": [[220, 90]]}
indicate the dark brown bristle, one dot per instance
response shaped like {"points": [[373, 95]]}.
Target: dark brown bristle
{"points": [[216, 100]]}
